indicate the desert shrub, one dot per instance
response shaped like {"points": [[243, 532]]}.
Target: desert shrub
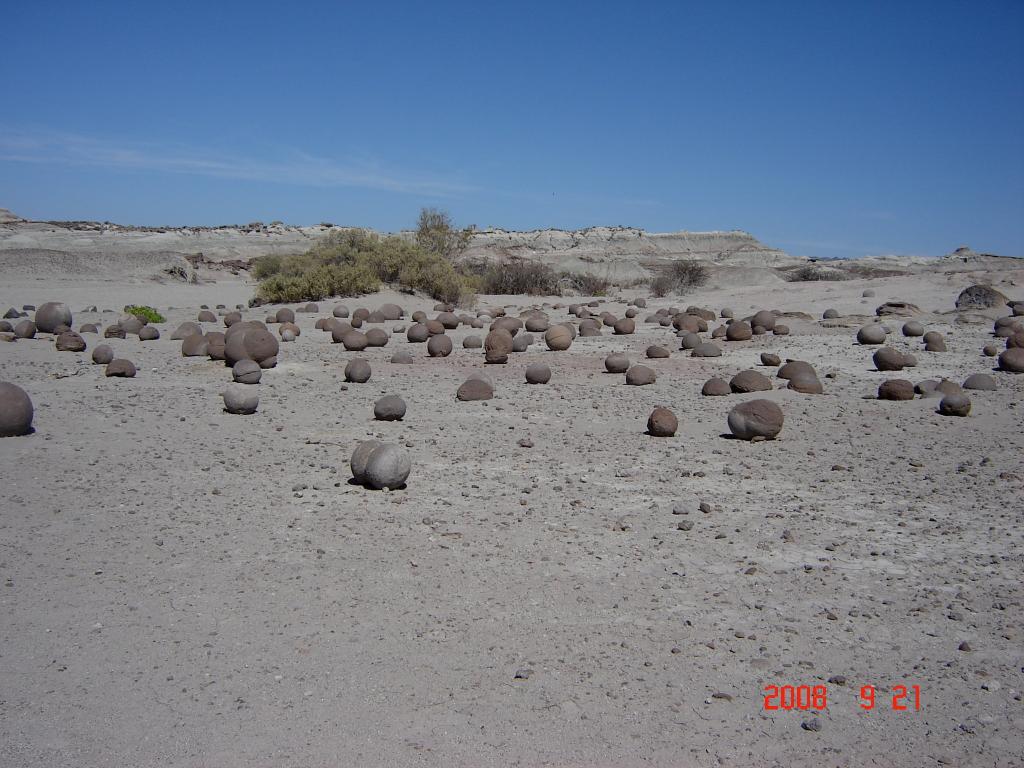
{"points": [[264, 266], [436, 234], [143, 312], [809, 273], [679, 277], [587, 284], [518, 276], [350, 262]]}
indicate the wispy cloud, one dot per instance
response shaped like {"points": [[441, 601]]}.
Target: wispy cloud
{"points": [[286, 167]]}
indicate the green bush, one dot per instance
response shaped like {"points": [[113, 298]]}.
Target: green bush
{"points": [[143, 312], [351, 262], [587, 284], [809, 273], [512, 276]]}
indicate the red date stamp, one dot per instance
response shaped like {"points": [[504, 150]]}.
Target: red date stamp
{"points": [[804, 697]]}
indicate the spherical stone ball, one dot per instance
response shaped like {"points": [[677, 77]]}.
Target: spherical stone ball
{"points": [[510, 324], [1012, 360], [340, 310], [640, 301], [688, 340], [756, 418], [662, 423], [608, 319], [231, 318], [749, 381], [706, 349], [185, 330], [417, 333], [448, 320], [241, 399], [69, 341], [148, 333], [719, 332], [354, 341], [16, 410], [388, 466], [913, 328], [640, 375], [311, 308], [285, 315], [120, 367], [934, 344], [684, 322], [715, 387], [780, 330], [558, 338], [442, 307], [434, 327], [631, 312], [391, 312], [616, 362], [215, 345], [114, 331], [472, 342], [357, 371], [389, 408], [260, 343], [829, 314], [955, 405], [888, 359], [377, 337], [402, 357], [872, 333], [538, 373], [769, 358], [287, 335], [246, 372], [6, 327], [360, 459], [376, 317], [738, 331], [102, 354], [990, 350], [896, 389], [655, 352], [624, 326], [206, 316], [497, 346], [439, 346], [289, 326], [793, 368], [909, 361], [1016, 340], [191, 346], [522, 342], [51, 315], [807, 385], [475, 389], [590, 327], [980, 381], [419, 316], [764, 318], [726, 312]]}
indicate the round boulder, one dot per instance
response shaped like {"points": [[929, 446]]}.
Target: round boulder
{"points": [[756, 419], [655, 352], [715, 387], [472, 342], [148, 333], [246, 372], [640, 375], [389, 408], [955, 405], [872, 333], [749, 381], [285, 315], [475, 389], [195, 345], [538, 373], [498, 346], [354, 341], [102, 354], [896, 389], [387, 466], [738, 331], [706, 349], [662, 423], [357, 371], [980, 381], [1012, 360], [888, 359], [624, 326], [25, 329], [616, 362], [69, 341], [913, 328], [120, 367], [417, 333], [439, 346], [16, 410], [51, 315], [241, 399], [377, 337], [558, 338]]}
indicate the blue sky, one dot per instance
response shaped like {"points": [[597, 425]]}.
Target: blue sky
{"points": [[825, 128]]}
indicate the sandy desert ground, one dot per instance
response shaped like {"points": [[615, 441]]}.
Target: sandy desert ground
{"points": [[186, 587]]}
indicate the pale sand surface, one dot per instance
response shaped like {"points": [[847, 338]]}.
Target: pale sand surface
{"points": [[183, 587]]}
